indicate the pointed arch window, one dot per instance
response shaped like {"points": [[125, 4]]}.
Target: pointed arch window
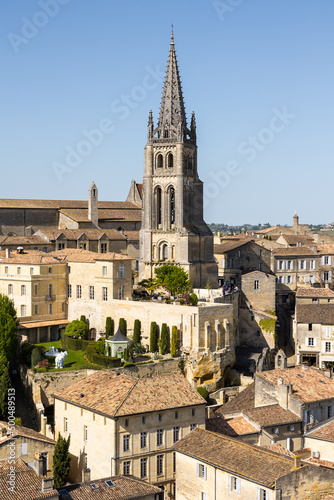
{"points": [[158, 205], [170, 160], [160, 161]]}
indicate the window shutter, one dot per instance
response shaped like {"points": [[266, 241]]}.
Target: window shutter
{"points": [[330, 276], [315, 341], [238, 486], [197, 466], [330, 261], [299, 264], [230, 483], [288, 443], [291, 279], [312, 417], [305, 417], [283, 265], [292, 264], [259, 494], [306, 341], [319, 414], [24, 448], [323, 260], [282, 279]]}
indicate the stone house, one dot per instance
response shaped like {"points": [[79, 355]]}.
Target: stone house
{"points": [[24, 443], [234, 257], [320, 440], [313, 326], [326, 265], [211, 465], [124, 425], [259, 290], [34, 242], [292, 240]]}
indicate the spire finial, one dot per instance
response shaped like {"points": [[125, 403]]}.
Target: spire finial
{"points": [[172, 35]]}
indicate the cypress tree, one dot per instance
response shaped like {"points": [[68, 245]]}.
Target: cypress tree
{"points": [[109, 327], [154, 337], [5, 384], [61, 461], [175, 341], [164, 338], [137, 332], [122, 326]]}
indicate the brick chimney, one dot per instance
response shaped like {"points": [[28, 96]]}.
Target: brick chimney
{"points": [[38, 464]]}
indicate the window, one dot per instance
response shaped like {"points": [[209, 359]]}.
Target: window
{"points": [[50, 308], [121, 271], [143, 420], [85, 460], [159, 437], [192, 427], [65, 424], [36, 310], [159, 161], [176, 415], [126, 442], [262, 494], [291, 428], [234, 484], [289, 264], [143, 439], [203, 496], [260, 266], [50, 290], [91, 293], [10, 289], [61, 246], [311, 341], [69, 291], [302, 264], [121, 292], [328, 346], [126, 422], [289, 279], [104, 271], [201, 471], [36, 289], [326, 260], [312, 264], [104, 293], [126, 468], [256, 284], [239, 254], [18, 270], [85, 432], [104, 247], [78, 291], [280, 265], [50, 270], [328, 331], [6, 269], [175, 434], [23, 311], [260, 253], [143, 467], [328, 411], [160, 417], [310, 327], [69, 269], [231, 263], [170, 160], [174, 461], [160, 459], [193, 412]]}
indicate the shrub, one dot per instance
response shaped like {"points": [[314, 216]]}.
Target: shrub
{"points": [[100, 346], [110, 325], [83, 319], [76, 329], [128, 363], [203, 392], [154, 337], [43, 364], [128, 353], [139, 348], [122, 326], [26, 350], [137, 332], [36, 356], [68, 343], [99, 359], [164, 339], [193, 299], [175, 341]]}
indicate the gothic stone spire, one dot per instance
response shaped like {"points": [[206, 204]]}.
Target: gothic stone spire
{"points": [[172, 116]]}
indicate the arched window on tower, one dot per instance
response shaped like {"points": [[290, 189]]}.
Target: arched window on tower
{"points": [[166, 133], [159, 161], [164, 252], [170, 160], [172, 205], [158, 206]]}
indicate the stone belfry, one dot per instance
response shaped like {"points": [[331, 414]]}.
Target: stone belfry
{"points": [[173, 229]]}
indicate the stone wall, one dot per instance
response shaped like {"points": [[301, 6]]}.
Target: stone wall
{"points": [[306, 483], [259, 290]]}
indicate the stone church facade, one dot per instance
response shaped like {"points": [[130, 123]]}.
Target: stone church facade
{"points": [[173, 229]]}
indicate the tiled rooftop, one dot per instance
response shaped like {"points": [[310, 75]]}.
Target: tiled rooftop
{"points": [[24, 432], [227, 246], [75, 234], [308, 385], [323, 431], [232, 427], [80, 255], [123, 488], [118, 395], [279, 448], [58, 204], [315, 313], [81, 214], [271, 415], [294, 252], [293, 239], [245, 400], [235, 456], [315, 292], [326, 248]]}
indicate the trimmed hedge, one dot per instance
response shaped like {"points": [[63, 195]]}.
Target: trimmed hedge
{"points": [[74, 344], [99, 359]]}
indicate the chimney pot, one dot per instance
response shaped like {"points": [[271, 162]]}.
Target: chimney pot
{"points": [[297, 461]]}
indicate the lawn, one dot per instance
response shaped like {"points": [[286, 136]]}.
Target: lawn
{"points": [[74, 361]]}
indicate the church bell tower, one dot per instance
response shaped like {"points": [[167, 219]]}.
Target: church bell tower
{"points": [[173, 229]]}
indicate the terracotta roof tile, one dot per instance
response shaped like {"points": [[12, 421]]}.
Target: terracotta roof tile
{"points": [[80, 255], [308, 385], [293, 239], [117, 395], [235, 456], [245, 400], [315, 313], [81, 214], [323, 431], [326, 248], [279, 448], [315, 292], [227, 246], [58, 204], [75, 234], [271, 415], [232, 427], [294, 252], [25, 432]]}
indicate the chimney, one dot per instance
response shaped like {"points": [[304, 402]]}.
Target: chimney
{"points": [[85, 475], [47, 484], [38, 464], [297, 461], [283, 393], [93, 211], [7, 253]]}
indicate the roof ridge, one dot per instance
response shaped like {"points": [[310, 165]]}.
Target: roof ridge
{"points": [[126, 396]]}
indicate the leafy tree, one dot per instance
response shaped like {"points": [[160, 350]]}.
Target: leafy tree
{"points": [[3, 363], [175, 341], [5, 384], [164, 338], [154, 337], [137, 332], [109, 327], [128, 353], [203, 392], [149, 284], [193, 299], [84, 319], [173, 278], [100, 346], [36, 356], [8, 328], [122, 326], [77, 329], [61, 461]]}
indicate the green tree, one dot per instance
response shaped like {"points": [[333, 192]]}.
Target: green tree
{"points": [[83, 318], [193, 299], [203, 392], [5, 384], [128, 353], [100, 346], [175, 341], [109, 327], [61, 461], [3, 363], [137, 332], [153, 337], [164, 338], [173, 278], [122, 326], [36, 356], [8, 328], [77, 329], [149, 284]]}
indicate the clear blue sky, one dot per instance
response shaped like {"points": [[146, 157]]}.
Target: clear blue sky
{"points": [[259, 75]]}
